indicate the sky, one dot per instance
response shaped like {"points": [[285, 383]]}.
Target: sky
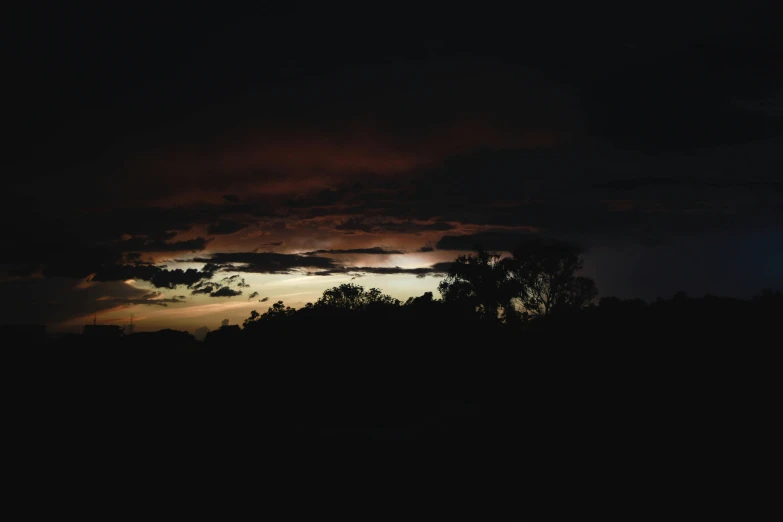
{"points": [[189, 163]]}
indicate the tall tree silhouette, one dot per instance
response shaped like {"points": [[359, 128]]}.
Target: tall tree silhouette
{"points": [[349, 296], [275, 313], [479, 282], [426, 299], [544, 280]]}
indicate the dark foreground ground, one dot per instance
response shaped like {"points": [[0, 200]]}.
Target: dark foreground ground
{"points": [[619, 409], [614, 379]]}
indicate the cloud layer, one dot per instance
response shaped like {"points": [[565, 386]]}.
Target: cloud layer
{"points": [[386, 158]]}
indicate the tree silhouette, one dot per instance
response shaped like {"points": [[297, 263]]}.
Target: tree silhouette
{"points": [[250, 321], [478, 282], [275, 313], [544, 280], [349, 296], [426, 299]]}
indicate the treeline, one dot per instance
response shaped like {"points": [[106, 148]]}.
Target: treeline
{"points": [[539, 279], [535, 291], [483, 299], [371, 368], [511, 348]]}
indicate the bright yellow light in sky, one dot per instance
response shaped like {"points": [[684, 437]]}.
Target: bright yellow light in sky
{"points": [[294, 290]]}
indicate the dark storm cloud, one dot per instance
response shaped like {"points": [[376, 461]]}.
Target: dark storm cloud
{"points": [[388, 226], [225, 292], [354, 225], [130, 229], [78, 263], [500, 241], [235, 279], [37, 243], [225, 227], [79, 244], [133, 257], [580, 193], [160, 277], [203, 288], [152, 298], [575, 127], [143, 272], [139, 244], [632, 70], [688, 99], [436, 269], [221, 288], [55, 299], [323, 198], [633, 184], [214, 290], [154, 223], [686, 182], [371, 250], [266, 262], [165, 278], [163, 222]]}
